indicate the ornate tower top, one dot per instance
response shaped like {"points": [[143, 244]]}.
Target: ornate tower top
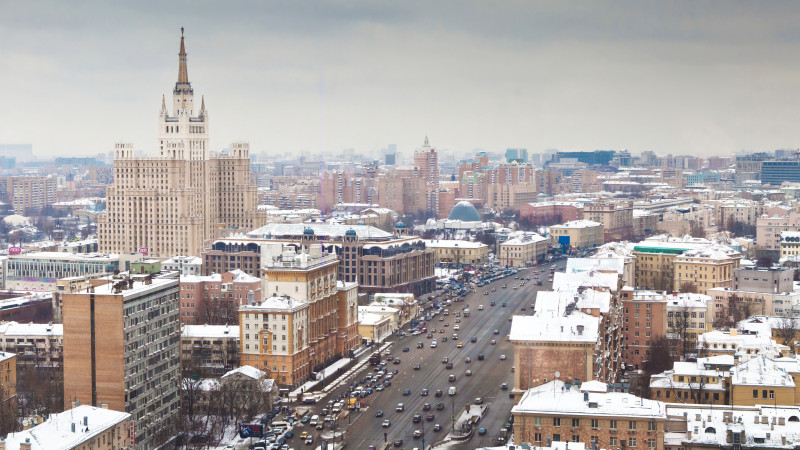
{"points": [[183, 84]]}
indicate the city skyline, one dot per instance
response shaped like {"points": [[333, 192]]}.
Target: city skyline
{"points": [[713, 79]]}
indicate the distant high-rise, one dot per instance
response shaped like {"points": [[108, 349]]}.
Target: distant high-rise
{"points": [[21, 152], [517, 154], [173, 204], [28, 195], [426, 160], [391, 159]]}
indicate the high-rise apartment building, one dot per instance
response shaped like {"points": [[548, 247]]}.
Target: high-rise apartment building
{"points": [[426, 160], [122, 348], [173, 204], [28, 195]]}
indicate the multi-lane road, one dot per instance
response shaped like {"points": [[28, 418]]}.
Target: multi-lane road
{"points": [[487, 376]]}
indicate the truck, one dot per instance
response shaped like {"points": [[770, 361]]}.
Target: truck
{"points": [[375, 359], [352, 403]]}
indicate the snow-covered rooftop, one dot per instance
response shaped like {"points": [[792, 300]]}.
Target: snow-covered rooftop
{"points": [[56, 433], [210, 331], [552, 327]]}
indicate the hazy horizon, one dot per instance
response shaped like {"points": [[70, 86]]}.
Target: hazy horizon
{"points": [[711, 78]]}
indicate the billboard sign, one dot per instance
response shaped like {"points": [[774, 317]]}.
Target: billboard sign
{"points": [[247, 430], [143, 250], [14, 250]]}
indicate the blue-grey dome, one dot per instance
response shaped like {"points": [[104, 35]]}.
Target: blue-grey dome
{"points": [[360, 222], [400, 225], [350, 232], [308, 231], [465, 212]]}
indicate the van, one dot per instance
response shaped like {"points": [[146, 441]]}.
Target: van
{"points": [[281, 424], [452, 391], [314, 420]]}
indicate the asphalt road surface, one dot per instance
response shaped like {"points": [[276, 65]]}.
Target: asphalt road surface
{"points": [[365, 429]]}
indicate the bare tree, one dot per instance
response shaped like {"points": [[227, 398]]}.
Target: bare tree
{"points": [[222, 311], [688, 286], [682, 325], [696, 230], [787, 330]]}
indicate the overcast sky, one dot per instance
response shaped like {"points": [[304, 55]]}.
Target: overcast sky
{"points": [[705, 78]]}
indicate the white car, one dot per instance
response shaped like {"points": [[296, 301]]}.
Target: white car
{"points": [[456, 327], [502, 357]]}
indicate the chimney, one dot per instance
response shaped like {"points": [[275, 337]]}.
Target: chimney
{"points": [[85, 421], [73, 426], [586, 396], [25, 445]]}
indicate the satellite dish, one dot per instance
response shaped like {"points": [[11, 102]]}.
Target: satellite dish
{"points": [[558, 374]]}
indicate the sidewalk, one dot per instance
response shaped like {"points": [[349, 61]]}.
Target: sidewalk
{"points": [[308, 386]]}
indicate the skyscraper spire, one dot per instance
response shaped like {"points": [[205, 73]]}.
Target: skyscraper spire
{"points": [[203, 104], [183, 72], [163, 103], [426, 141]]}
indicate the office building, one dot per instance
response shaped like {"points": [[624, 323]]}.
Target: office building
{"points": [[40, 271]]}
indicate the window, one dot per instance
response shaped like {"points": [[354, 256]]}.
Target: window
{"points": [[595, 423], [651, 426], [755, 393], [632, 425], [556, 421], [537, 437], [632, 442], [537, 421], [612, 424], [576, 423], [612, 441], [576, 438], [556, 438]]}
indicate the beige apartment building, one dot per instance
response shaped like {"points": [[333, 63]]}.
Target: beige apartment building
{"points": [[28, 195], [303, 322], [173, 204], [84, 427], [510, 196], [581, 233], [705, 268]]}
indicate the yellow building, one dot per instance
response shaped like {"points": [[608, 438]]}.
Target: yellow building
{"points": [[83, 427], [762, 381], [459, 252], [705, 268], [520, 251], [579, 233], [374, 327], [705, 381]]}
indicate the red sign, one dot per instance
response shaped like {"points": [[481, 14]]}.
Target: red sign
{"points": [[143, 250], [133, 433], [14, 250]]}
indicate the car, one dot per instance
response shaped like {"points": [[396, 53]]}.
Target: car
{"points": [[468, 373], [379, 387], [468, 360], [451, 378], [504, 386], [437, 427], [444, 338], [478, 400], [496, 332], [429, 335], [416, 366], [504, 304], [386, 423], [447, 324], [481, 357], [445, 360], [289, 434], [379, 413], [473, 339], [458, 320], [493, 342], [406, 392], [417, 434], [305, 419], [502, 357], [430, 417], [486, 293], [426, 407], [439, 406], [481, 431], [417, 418], [492, 304], [394, 371], [456, 328], [320, 425], [460, 345], [494, 290], [420, 345], [423, 393], [441, 331], [397, 360], [309, 439], [400, 407], [438, 393], [398, 442], [441, 319], [448, 366], [304, 435], [405, 349]]}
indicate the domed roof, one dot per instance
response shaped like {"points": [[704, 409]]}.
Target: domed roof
{"points": [[308, 231], [400, 225], [360, 222], [15, 220], [350, 232], [465, 212]]}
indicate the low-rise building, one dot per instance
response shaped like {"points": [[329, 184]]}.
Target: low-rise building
{"points": [[209, 350], [705, 381], [215, 299], [458, 252], [37, 345], [522, 249], [563, 412], [790, 244], [186, 265], [40, 271], [82, 427], [578, 234], [705, 269], [406, 303], [374, 327]]}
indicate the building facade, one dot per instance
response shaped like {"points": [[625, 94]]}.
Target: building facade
{"points": [[28, 195], [118, 339], [173, 204]]}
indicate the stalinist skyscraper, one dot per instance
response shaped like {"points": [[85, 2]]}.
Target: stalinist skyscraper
{"points": [[173, 204]]}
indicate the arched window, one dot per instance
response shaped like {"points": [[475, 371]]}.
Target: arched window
{"points": [[711, 430], [794, 419]]}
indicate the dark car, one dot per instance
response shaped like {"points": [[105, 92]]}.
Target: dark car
{"points": [[398, 443], [426, 407], [439, 406], [481, 357], [406, 392], [481, 431], [430, 417], [416, 366], [417, 418], [424, 393], [492, 303], [451, 378], [504, 304], [449, 365], [405, 349], [474, 339], [438, 393], [397, 360], [437, 427], [379, 413]]}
